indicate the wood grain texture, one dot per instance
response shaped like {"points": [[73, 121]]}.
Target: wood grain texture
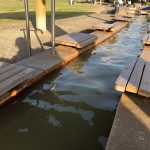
{"points": [[123, 78], [134, 81], [144, 88], [12, 82], [78, 40]]}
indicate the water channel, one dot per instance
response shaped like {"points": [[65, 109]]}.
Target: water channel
{"points": [[73, 108]]}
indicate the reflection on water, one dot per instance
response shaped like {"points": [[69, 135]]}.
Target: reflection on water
{"points": [[74, 107], [85, 115]]}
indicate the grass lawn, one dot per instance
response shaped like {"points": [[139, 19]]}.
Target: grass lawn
{"points": [[12, 11]]}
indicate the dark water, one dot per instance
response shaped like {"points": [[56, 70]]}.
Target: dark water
{"points": [[73, 108]]}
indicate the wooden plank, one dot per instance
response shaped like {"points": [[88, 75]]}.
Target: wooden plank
{"points": [[44, 61], [135, 78], [145, 37], [148, 40], [144, 89], [14, 81], [3, 64], [115, 28], [145, 55], [74, 39], [103, 26], [87, 42], [124, 15], [123, 19], [6, 68], [11, 73], [123, 78]]}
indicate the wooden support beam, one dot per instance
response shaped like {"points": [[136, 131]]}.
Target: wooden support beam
{"points": [[41, 14]]}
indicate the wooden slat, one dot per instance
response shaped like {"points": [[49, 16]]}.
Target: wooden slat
{"points": [[103, 26], [115, 28], [148, 40], [145, 37], [14, 81], [144, 89], [145, 55], [122, 19], [123, 78], [124, 15], [135, 78], [86, 42], [74, 39], [11, 73], [3, 64], [6, 68]]}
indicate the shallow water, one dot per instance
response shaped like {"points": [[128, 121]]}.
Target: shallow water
{"points": [[72, 108]]}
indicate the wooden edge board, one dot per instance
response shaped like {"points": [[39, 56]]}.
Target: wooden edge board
{"points": [[135, 78], [122, 80], [14, 81], [145, 37], [145, 54], [144, 89], [87, 42], [6, 68], [11, 73]]}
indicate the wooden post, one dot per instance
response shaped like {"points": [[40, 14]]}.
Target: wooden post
{"points": [[41, 15]]}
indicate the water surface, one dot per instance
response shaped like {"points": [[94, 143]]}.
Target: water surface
{"points": [[74, 107]]}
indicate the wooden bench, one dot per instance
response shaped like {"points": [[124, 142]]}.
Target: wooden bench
{"points": [[146, 39], [78, 40], [11, 75], [103, 26], [135, 77]]}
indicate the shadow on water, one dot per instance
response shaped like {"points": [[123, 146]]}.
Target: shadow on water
{"points": [[72, 108]]}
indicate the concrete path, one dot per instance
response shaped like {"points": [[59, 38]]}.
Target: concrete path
{"points": [[131, 127]]}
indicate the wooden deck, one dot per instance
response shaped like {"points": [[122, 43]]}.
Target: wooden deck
{"points": [[78, 40], [146, 39], [135, 77], [11, 75]]}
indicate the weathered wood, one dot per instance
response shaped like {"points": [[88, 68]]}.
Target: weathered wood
{"points": [[3, 64], [124, 15], [11, 73], [136, 76], [117, 26], [148, 40], [44, 61], [103, 26], [12, 82], [144, 89], [41, 14], [145, 54], [123, 19], [145, 37], [74, 39], [123, 78], [86, 42], [6, 68]]}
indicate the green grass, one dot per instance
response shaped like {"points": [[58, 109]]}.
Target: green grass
{"points": [[12, 11]]}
